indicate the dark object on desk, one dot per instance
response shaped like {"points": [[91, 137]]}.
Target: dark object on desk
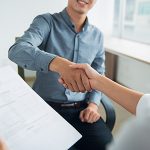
{"points": [[107, 104], [111, 65]]}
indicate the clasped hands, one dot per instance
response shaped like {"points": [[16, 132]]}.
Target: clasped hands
{"points": [[75, 78]]}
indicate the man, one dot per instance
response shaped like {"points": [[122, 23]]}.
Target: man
{"points": [[50, 46], [135, 134]]}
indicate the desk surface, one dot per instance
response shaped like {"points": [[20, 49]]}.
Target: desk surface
{"points": [[121, 47]]}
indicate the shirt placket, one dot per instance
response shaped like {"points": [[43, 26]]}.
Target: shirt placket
{"points": [[76, 48], [68, 93]]}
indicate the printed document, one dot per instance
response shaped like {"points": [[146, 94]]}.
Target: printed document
{"points": [[26, 121]]}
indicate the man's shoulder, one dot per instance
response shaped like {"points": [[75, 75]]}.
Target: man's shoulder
{"points": [[49, 17], [46, 16]]}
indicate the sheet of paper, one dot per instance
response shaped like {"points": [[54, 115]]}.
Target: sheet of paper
{"points": [[26, 121]]}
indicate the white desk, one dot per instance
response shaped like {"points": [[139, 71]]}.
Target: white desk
{"points": [[123, 48]]}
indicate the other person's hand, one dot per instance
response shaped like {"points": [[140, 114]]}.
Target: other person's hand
{"points": [[74, 78], [90, 114], [3, 145]]}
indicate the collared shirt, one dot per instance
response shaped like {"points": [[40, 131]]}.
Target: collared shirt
{"points": [[54, 35], [135, 134]]}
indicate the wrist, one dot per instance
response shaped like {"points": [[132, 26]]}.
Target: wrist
{"points": [[100, 83], [95, 82], [103, 84], [93, 105], [58, 63]]}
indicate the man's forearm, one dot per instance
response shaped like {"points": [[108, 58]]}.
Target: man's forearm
{"points": [[29, 57]]}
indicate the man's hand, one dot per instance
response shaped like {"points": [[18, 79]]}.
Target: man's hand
{"points": [[75, 79], [90, 114]]}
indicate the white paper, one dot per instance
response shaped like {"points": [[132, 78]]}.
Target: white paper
{"points": [[26, 121]]}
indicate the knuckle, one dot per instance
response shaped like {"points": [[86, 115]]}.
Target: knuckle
{"points": [[87, 87], [86, 118], [77, 91], [88, 111], [82, 91]]}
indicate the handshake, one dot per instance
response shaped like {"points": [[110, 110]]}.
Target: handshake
{"points": [[76, 77], [85, 78]]}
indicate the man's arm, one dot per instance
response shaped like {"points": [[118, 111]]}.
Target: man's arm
{"points": [[25, 53]]}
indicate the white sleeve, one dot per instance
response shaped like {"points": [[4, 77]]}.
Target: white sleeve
{"points": [[143, 107], [135, 134]]}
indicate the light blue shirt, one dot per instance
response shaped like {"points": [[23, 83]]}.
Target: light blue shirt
{"points": [[54, 35]]}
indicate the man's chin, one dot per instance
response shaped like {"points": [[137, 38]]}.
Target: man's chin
{"points": [[81, 11]]}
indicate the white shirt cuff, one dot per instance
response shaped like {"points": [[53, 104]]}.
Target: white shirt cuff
{"points": [[143, 106]]}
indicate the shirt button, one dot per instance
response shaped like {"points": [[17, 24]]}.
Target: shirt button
{"points": [[25, 66], [41, 69]]}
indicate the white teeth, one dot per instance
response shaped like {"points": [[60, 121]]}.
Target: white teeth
{"points": [[86, 1], [83, 1]]}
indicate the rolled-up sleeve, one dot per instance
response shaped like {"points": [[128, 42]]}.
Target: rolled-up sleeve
{"points": [[26, 52], [99, 66]]}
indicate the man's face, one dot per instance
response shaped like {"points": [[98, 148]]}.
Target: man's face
{"points": [[81, 6]]}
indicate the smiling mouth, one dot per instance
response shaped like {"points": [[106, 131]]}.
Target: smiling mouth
{"points": [[83, 1]]}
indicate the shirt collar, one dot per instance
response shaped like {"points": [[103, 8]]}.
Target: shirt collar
{"points": [[70, 23]]}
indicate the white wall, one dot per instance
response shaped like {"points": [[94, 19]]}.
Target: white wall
{"points": [[134, 74], [102, 15], [16, 16]]}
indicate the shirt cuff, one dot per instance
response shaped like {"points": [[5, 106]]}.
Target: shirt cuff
{"points": [[143, 106], [43, 59], [95, 97]]}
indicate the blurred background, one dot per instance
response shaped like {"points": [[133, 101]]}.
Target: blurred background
{"points": [[126, 27]]}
